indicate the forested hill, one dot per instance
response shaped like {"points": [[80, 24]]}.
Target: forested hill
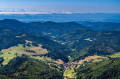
{"points": [[38, 28], [27, 68], [108, 69], [9, 38], [102, 25], [69, 47], [82, 40], [88, 42]]}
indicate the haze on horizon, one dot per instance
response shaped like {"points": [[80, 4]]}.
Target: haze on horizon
{"points": [[84, 6]]}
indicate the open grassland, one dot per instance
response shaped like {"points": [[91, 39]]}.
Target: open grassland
{"points": [[14, 51], [116, 55], [31, 50], [94, 58], [43, 58], [70, 74], [7, 57], [68, 71], [88, 39], [17, 49], [47, 59], [39, 49]]}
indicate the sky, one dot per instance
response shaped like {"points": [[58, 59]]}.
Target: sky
{"points": [[97, 6]]}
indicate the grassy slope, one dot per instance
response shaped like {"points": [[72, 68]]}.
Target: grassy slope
{"points": [[70, 73], [116, 55], [14, 51], [10, 38]]}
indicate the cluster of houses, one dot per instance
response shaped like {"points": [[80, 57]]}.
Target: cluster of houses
{"points": [[81, 62]]}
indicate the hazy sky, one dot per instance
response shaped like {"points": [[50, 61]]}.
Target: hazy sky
{"points": [[109, 6]]}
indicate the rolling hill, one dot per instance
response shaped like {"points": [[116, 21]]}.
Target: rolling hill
{"points": [[49, 29], [31, 44], [108, 69], [46, 49], [88, 42], [82, 40], [27, 68], [106, 26]]}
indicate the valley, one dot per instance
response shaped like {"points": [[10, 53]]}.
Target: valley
{"points": [[69, 50], [59, 39]]}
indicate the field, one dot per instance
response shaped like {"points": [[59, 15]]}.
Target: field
{"points": [[14, 51], [116, 55], [88, 39], [69, 73], [94, 58], [39, 50], [43, 58], [7, 57], [31, 50], [47, 59]]}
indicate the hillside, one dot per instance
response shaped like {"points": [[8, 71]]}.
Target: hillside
{"points": [[78, 38], [88, 42], [31, 45], [49, 29], [27, 68], [27, 50], [102, 25], [109, 69]]}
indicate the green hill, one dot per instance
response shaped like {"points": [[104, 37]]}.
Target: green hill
{"points": [[26, 68], [109, 69], [102, 25], [49, 29], [10, 38], [88, 42]]}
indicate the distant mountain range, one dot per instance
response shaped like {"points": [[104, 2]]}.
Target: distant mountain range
{"points": [[61, 17], [102, 25], [34, 11], [48, 28]]}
